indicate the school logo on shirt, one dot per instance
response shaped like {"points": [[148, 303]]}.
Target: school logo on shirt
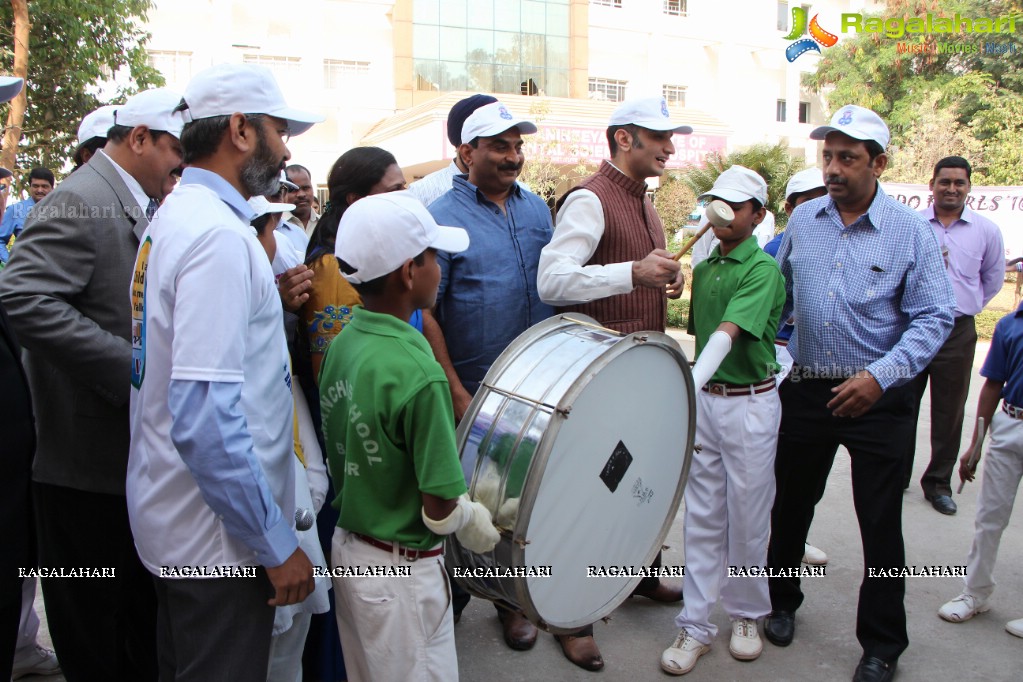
{"points": [[138, 314]]}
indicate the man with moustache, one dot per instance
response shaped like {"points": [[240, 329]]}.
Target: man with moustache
{"points": [[64, 291], [495, 278], [865, 278], [210, 474], [607, 260], [303, 214], [974, 257]]}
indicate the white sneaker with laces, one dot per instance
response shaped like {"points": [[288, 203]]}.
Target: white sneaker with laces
{"points": [[745, 644], [1015, 627], [681, 656], [814, 556], [41, 661], [962, 608]]}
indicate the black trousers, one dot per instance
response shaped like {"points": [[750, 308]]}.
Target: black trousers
{"points": [[807, 442], [102, 628], [949, 374], [214, 629]]}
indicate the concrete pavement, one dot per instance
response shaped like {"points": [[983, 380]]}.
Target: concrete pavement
{"points": [[825, 647]]}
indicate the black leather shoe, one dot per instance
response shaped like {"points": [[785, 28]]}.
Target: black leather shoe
{"points": [[942, 503], [780, 627], [873, 669], [519, 633], [662, 592]]}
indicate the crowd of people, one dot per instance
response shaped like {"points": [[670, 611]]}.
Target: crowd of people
{"points": [[187, 405]]}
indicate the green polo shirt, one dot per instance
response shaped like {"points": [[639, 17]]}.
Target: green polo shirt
{"points": [[388, 427], [747, 289]]}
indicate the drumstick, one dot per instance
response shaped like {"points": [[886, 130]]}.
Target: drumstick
{"points": [[718, 213]]}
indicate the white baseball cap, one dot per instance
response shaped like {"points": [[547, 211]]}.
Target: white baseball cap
{"points": [[227, 89], [804, 181], [97, 123], [738, 184], [380, 232], [287, 184], [261, 205], [856, 122], [493, 119], [647, 112], [10, 86], [153, 109]]}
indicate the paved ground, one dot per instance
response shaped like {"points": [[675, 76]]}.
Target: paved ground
{"points": [[825, 647]]}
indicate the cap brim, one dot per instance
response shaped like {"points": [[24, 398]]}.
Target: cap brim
{"points": [[4, 173], [298, 121], [450, 239], [662, 126], [525, 128], [10, 87], [821, 132], [279, 207], [725, 194]]}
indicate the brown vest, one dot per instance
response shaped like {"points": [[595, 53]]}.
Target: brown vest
{"points": [[632, 230]]}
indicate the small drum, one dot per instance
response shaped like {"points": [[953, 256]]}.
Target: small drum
{"points": [[579, 442]]}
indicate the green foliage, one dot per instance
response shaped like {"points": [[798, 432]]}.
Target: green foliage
{"points": [[678, 312], [773, 162], [74, 46], [674, 201], [936, 104]]}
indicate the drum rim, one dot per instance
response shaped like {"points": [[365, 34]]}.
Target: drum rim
{"points": [[540, 457]]}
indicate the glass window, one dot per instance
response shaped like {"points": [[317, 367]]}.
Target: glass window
{"points": [[506, 15], [607, 3], [557, 54], [557, 20], [506, 47], [507, 79], [452, 13], [282, 67], [482, 14], [480, 77], [607, 89], [343, 73], [779, 111], [804, 112], [556, 83], [674, 94], [534, 17], [676, 8], [426, 42], [479, 46], [425, 11], [452, 76], [532, 52], [452, 44]]}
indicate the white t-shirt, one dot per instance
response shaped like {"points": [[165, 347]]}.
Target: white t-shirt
{"points": [[205, 308]]}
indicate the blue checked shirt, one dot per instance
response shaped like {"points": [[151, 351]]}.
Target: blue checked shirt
{"points": [[873, 295]]}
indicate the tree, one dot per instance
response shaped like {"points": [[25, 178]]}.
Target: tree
{"points": [[674, 201], [75, 47], [540, 173], [936, 103]]}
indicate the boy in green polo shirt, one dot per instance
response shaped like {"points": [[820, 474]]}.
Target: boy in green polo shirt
{"points": [[387, 426], [737, 297]]}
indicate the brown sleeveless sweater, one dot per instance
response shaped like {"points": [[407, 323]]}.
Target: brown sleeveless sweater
{"points": [[632, 229]]}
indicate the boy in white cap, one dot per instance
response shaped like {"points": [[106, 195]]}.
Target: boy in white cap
{"points": [[64, 290], [92, 133], [738, 294], [210, 471], [607, 259], [389, 431]]}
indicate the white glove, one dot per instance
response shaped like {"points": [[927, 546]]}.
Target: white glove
{"points": [[508, 513], [470, 522], [488, 489], [479, 534], [711, 358], [784, 358]]}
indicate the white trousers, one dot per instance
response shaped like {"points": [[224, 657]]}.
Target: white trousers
{"points": [[393, 628], [1003, 469], [728, 497], [28, 627]]}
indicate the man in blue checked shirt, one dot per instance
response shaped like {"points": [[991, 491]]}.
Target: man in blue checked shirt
{"points": [[873, 304]]}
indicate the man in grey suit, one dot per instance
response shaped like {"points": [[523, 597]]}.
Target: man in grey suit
{"points": [[66, 294]]}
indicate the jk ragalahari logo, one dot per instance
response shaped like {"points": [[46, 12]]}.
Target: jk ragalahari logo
{"points": [[818, 36]]}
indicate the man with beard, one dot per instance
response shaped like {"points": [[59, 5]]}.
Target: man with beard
{"points": [[64, 291], [494, 279], [872, 304], [975, 262], [210, 477]]}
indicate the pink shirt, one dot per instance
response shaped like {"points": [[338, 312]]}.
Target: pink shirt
{"points": [[974, 258]]}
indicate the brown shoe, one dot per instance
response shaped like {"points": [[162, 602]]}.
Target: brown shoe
{"points": [[663, 592], [582, 651], [519, 633]]}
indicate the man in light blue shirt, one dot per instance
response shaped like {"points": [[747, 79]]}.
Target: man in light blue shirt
{"points": [[865, 279], [41, 183]]}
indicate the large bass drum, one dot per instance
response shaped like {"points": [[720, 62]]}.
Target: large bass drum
{"points": [[579, 442]]}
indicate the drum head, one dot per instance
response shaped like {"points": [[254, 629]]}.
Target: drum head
{"points": [[609, 487]]}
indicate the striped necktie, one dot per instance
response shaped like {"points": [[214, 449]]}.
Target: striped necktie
{"points": [[151, 208]]}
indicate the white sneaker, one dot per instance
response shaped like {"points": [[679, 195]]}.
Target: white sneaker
{"points": [[962, 608], [1015, 627], [745, 644], [681, 656], [41, 661], [814, 556]]}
